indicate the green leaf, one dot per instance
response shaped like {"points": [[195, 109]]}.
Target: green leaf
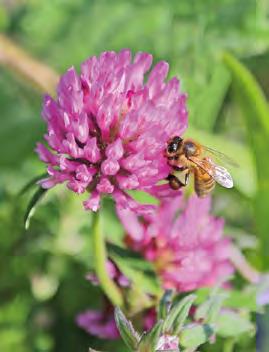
{"points": [[195, 335], [165, 304], [126, 329], [149, 340], [143, 197], [245, 299], [232, 324], [140, 272], [4, 18], [209, 310], [178, 315], [256, 114], [137, 300], [38, 195], [250, 92], [18, 119], [233, 298], [32, 183], [206, 109]]}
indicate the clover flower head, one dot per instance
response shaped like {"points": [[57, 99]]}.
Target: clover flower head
{"points": [[108, 127], [188, 249]]}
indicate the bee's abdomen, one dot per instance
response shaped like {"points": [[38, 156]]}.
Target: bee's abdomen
{"points": [[203, 183]]}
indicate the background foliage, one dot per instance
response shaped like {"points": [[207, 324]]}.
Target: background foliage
{"points": [[42, 270]]}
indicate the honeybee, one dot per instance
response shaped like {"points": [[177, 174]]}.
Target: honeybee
{"points": [[189, 157]]}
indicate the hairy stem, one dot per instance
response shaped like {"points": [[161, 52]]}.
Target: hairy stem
{"points": [[243, 266], [100, 259], [17, 60]]}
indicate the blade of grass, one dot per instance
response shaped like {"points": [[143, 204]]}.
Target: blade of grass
{"points": [[210, 100], [256, 113], [36, 198]]}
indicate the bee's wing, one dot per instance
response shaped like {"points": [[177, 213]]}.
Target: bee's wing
{"points": [[221, 156], [223, 177], [218, 173]]}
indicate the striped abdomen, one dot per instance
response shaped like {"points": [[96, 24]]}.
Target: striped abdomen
{"points": [[203, 183]]}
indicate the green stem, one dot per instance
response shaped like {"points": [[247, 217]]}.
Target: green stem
{"points": [[229, 345], [99, 248]]}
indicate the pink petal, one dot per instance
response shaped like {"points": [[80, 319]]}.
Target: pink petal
{"points": [[48, 182], [134, 162], [46, 155], [110, 167], [168, 342], [124, 201], [91, 150], [115, 150], [131, 223], [71, 146], [105, 186], [81, 128], [98, 323], [128, 182], [76, 186], [84, 174], [156, 78], [93, 203]]}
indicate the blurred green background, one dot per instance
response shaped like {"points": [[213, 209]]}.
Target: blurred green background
{"points": [[42, 270]]}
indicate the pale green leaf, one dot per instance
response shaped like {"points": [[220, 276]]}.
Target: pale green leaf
{"points": [[195, 335], [230, 324]]}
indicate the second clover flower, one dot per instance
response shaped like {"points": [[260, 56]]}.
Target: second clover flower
{"points": [[188, 250], [108, 128]]}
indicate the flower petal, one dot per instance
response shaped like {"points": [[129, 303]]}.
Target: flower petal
{"points": [[93, 203]]}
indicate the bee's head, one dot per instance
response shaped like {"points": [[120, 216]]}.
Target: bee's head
{"points": [[189, 148], [173, 145]]}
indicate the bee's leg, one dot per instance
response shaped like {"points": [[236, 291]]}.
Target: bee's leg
{"points": [[179, 168], [187, 177], [174, 182]]}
